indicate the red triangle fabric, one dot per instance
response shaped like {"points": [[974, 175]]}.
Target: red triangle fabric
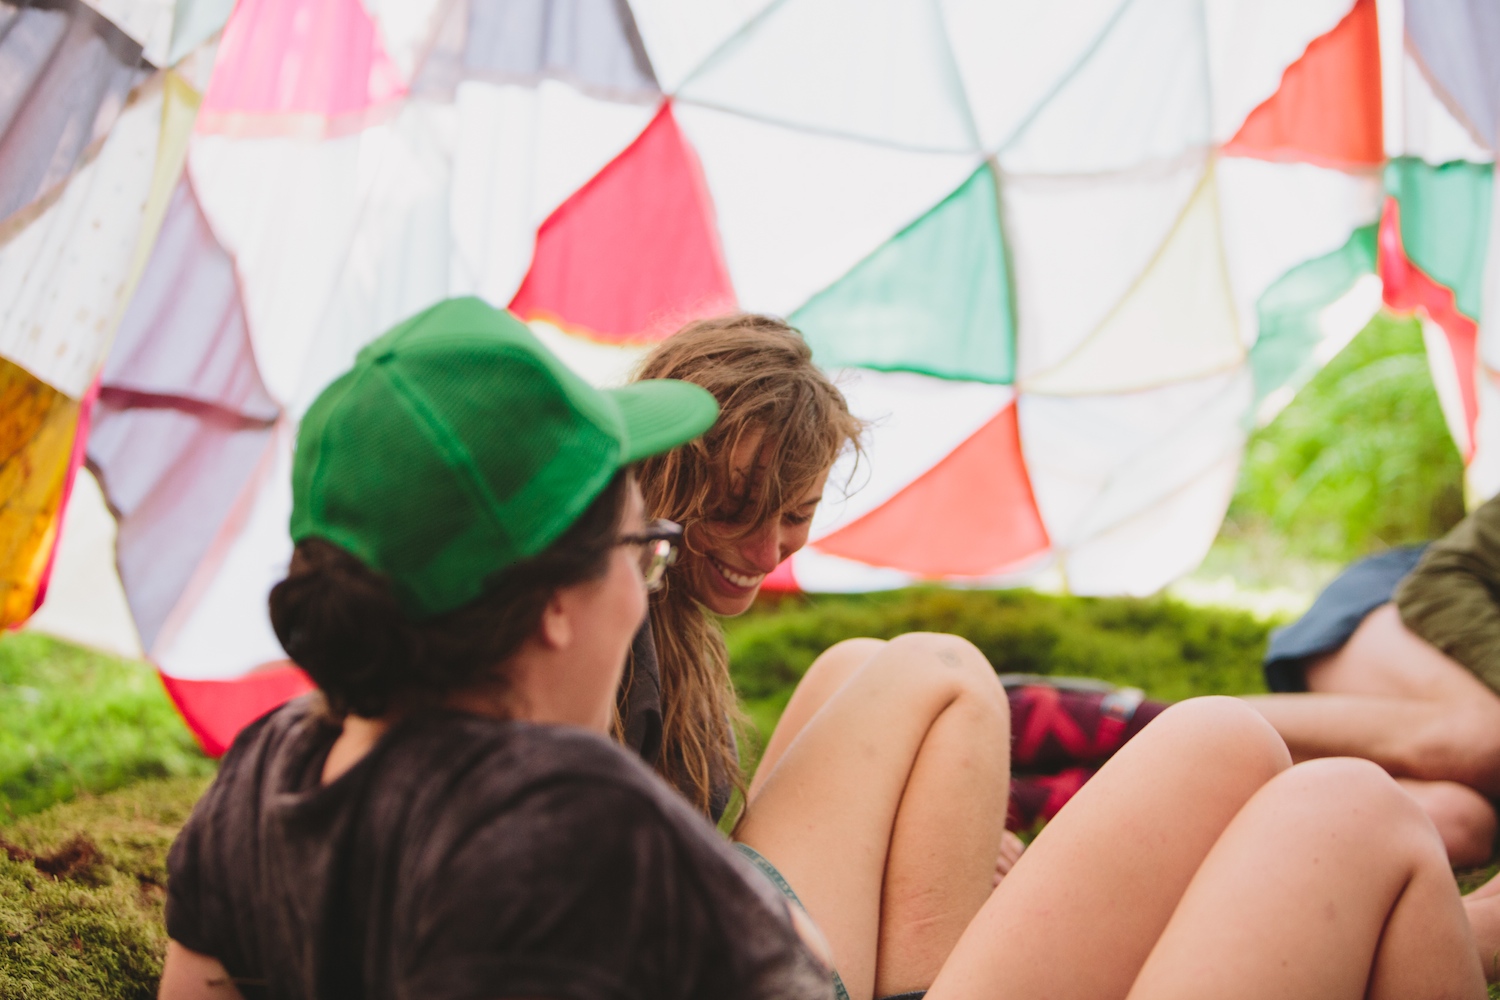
{"points": [[216, 711], [633, 254], [1327, 110], [297, 59], [1408, 288], [972, 514]]}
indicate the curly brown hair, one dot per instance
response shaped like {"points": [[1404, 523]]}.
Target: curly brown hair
{"points": [[761, 372]]}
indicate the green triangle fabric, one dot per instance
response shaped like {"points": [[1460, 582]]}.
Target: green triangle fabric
{"points": [[935, 299], [1445, 222], [1288, 311]]}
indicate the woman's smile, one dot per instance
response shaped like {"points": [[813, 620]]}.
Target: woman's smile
{"points": [[736, 578]]}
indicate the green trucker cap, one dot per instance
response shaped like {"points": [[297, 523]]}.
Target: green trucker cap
{"points": [[458, 445]]}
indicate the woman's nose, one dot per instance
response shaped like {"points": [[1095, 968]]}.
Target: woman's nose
{"points": [[762, 550]]}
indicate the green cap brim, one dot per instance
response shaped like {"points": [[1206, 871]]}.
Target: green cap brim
{"points": [[662, 413]]}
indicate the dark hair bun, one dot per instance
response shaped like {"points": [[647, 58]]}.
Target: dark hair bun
{"points": [[339, 621]]}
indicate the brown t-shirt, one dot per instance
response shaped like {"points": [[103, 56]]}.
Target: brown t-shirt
{"points": [[466, 857]]}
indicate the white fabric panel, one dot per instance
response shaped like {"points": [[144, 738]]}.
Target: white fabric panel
{"points": [[519, 152], [1096, 461], [1252, 42], [221, 629], [493, 235], [397, 263], [1141, 96], [85, 602], [797, 210], [1077, 245], [64, 276], [148, 22], [1483, 474], [1148, 552], [1278, 215], [286, 210], [1446, 380], [301, 217], [820, 573], [1012, 53], [914, 421], [1428, 128], [603, 365], [1177, 323], [406, 28], [874, 69], [680, 34]]}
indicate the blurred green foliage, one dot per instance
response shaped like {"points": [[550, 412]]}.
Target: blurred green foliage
{"points": [[1360, 460]]}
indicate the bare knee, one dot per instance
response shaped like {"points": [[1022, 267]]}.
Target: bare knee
{"points": [[839, 662], [1465, 820], [952, 665], [1223, 733], [1350, 795]]}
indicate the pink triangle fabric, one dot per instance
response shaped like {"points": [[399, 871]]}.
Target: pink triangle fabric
{"points": [[318, 58], [634, 253]]}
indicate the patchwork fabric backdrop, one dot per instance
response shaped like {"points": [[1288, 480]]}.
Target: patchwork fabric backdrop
{"points": [[1062, 256]]}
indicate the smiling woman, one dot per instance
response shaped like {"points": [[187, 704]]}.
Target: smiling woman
{"points": [[745, 495]]}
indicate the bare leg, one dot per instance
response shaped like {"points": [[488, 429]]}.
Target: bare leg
{"points": [[1083, 907], [1329, 884], [885, 811], [828, 673], [1195, 865], [1465, 820]]}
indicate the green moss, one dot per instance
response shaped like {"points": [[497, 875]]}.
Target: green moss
{"points": [[95, 930], [73, 720]]}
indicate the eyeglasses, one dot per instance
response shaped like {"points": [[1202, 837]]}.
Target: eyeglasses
{"points": [[658, 547]]}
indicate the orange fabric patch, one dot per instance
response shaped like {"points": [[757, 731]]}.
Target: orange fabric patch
{"points": [[1327, 110], [36, 439], [972, 514]]}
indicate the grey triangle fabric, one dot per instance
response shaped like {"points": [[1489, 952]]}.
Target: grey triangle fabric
{"points": [[590, 42], [183, 420], [1458, 44], [65, 73]]}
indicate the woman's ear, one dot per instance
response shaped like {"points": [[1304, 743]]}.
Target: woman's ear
{"points": [[556, 627]]}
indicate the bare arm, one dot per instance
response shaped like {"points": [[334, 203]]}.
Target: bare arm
{"points": [[190, 975]]}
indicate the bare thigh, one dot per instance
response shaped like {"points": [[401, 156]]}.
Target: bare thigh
{"points": [[828, 673], [1329, 885], [885, 812], [1081, 910]]}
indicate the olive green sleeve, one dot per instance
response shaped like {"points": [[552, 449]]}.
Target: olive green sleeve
{"points": [[1452, 598]]}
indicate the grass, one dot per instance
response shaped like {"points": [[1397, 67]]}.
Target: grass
{"points": [[92, 926], [73, 721]]}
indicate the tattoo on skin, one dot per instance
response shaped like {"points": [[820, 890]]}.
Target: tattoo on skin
{"points": [[949, 657]]}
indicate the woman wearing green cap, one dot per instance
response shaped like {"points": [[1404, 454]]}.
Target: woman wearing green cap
{"points": [[452, 821]]}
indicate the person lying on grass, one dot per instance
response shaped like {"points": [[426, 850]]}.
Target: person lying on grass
{"points": [[449, 818], [1398, 661]]}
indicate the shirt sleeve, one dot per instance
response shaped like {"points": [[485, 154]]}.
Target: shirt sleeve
{"points": [[186, 923], [1452, 598], [578, 894]]}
